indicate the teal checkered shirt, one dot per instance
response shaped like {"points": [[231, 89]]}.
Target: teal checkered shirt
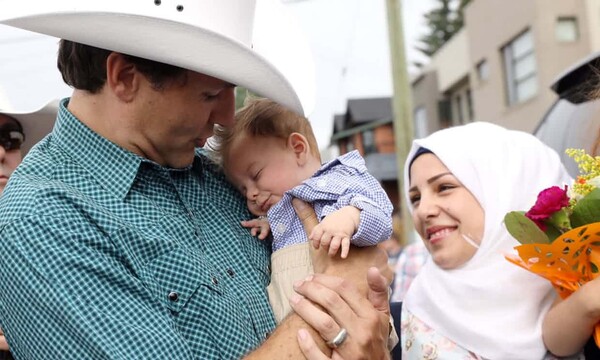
{"points": [[104, 254]]}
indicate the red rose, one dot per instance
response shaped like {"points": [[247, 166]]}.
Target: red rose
{"points": [[548, 202]]}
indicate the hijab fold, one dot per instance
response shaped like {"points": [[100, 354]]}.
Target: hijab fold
{"points": [[489, 306]]}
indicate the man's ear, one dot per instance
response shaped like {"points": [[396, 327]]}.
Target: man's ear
{"points": [[122, 77], [299, 144]]}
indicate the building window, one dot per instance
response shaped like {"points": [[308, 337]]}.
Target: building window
{"points": [[421, 122], [520, 69], [459, 109], [470, 105], [483, 70], [368, 139], [566, 29]]}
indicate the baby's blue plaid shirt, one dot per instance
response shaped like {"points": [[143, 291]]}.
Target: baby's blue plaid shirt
{"points": [[341, 182]]}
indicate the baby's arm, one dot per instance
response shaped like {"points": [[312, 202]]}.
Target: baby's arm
{"points": [[258, 227], [570, 322], [336, 230]]}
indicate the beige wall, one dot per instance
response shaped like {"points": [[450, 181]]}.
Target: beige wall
{"points": [[491, 25], [592, 11], [425, 93], [452, 61]]}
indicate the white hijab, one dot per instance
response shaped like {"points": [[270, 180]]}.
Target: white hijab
{"points": [[489, 306]]}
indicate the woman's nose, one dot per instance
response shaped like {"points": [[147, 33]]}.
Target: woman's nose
{"points": [[428, 207]]}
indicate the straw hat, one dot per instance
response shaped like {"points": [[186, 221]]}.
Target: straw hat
{"points": [[213, 37], [36, 123]]}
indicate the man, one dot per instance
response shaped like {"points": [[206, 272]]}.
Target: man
{"points": [[119, 238]]}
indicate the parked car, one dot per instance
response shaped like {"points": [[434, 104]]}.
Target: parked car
{"points": [[573, 121]]}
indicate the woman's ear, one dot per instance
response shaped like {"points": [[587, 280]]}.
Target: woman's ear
{"points": [[299, 144], [122, 78]]}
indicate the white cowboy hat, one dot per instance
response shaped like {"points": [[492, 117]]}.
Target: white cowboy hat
{"points": [[36, 123], [213, 37]]}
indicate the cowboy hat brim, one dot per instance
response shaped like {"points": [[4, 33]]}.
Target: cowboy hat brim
{"points": [[217, 47], [36, 123]]}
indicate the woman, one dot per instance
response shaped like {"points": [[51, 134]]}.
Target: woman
{"points": [[468, 301], [19, 131]]}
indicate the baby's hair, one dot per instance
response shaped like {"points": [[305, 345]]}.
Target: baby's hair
{"points": [[262, 117]]}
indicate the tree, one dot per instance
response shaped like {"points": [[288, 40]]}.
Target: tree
{"points": [[443, 21]]}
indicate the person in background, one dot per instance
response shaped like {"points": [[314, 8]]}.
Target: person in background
{"points": [[394, 245], [19, 131], [468, 301], [270, 155], [121, 239], [410, 261]]}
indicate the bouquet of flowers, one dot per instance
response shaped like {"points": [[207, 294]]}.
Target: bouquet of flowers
{"points": [[560, 234]]}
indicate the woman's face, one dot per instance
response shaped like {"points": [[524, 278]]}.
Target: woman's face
{"points": [[444, 211], [10, 157]]}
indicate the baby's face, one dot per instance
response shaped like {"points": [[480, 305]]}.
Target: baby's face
{"points": [[263, 169], [254, 208]]}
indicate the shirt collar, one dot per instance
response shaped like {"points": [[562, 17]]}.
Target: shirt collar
{"points": [[113, 167], [351, 159]]}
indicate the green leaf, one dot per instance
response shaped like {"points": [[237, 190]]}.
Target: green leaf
{"points": [[552, 233], [587, 210], [523, 229]]}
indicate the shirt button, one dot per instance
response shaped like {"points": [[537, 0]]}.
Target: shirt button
{"points": [[230, 272], [280, 228], [267, 334], [173, 296], [215, 280]]}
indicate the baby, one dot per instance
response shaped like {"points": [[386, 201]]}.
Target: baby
{"points": [[271, 155]]}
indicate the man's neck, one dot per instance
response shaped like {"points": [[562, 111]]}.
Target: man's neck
{"points": [[106, 117]]}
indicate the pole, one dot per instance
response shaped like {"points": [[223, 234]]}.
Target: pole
{"points": [[401, 104]]}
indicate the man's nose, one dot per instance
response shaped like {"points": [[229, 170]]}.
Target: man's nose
{"points": [[225, 109]]}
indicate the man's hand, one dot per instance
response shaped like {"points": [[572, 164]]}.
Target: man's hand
{"points": [[3, 343], [329, 302]]}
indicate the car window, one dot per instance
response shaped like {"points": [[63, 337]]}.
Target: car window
{"points": [[567, 125]]}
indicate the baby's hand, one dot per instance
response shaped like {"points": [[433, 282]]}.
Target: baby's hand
{"points": [[258, 227], [336, 230]]}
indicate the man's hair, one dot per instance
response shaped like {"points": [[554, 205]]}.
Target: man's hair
{"points": [[84, 67], [264, 118]]}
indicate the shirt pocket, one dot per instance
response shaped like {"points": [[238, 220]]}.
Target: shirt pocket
{"points": [[174, 278]]}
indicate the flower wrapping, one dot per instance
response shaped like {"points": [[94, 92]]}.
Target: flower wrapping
{"points": [[560, 234]]}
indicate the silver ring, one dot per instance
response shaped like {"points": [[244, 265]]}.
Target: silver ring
{"points": [[262, 217], [338, 339]]}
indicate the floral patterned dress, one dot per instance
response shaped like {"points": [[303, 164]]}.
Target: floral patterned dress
{"points": [[419, 341]]}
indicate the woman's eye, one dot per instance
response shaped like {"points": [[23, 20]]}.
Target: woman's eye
{"points": [[414, 199], [444, 187]]}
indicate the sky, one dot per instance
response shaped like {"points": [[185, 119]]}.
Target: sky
{"points": [[350, 44], [348, 40]]}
